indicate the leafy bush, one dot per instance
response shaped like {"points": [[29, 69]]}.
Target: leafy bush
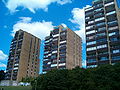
{"points": [[106, 77]]}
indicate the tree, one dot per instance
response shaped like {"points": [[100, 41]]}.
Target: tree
{"points": [[27, 79], [2, 75], [105, 77]]}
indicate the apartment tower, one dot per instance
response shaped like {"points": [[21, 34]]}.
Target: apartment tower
{"points": [[102, 22], [23, 58], [62, 49]]}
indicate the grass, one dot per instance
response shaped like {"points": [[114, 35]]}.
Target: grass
{"points": [[16, 87]]}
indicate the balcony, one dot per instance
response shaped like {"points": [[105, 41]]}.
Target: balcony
{"points": [[89, 13], [108, 1], [96, 6], [112, 24], [55, 31], [88, 9], [99, 15], [91, 60]]}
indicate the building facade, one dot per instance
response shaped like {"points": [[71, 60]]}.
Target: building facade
{"points": [[23, 58], [62, 49], [102, 22]]}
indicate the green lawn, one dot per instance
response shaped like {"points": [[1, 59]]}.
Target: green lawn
{"points": [[16, 87]]}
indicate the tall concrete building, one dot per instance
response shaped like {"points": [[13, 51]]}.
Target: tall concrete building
{"points": [[23, 58], [102, 22], [62, 49]]}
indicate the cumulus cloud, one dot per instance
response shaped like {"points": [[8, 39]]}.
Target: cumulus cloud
{"points": [[2, 65], [2, 55], [62, 2], [39, 29], [33, 5], [79, 19]]}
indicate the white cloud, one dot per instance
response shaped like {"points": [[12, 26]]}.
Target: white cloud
{"points": [[2, 55], [79, 20], [39, 29], [32, 5], [62, 2], [2, 65]]}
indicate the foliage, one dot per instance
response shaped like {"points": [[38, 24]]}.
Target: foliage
{"points": [[105, 77], [2, 75], [27, 79]]}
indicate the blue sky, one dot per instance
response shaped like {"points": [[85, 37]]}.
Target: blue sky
{"points": [[38, 17]]}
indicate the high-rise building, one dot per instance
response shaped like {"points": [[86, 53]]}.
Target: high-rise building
{"points": [[62, 49], [102, 22], [23, 58]]}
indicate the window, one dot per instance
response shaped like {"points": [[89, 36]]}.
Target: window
{"points": [[53, 65], [91, 48], [99, 9], [54, 51], [89, 27], [111, 18], [90, 22], [54, 47], [112, 22], [87, 9], [87, 18], [110, 13], [16, 64], [93, 31], [102, 46], [62, 59], [64, 45], [111, 34], [90, 43], [55, 39], [47, 40], [100, 53], [49, 54], [46, 52], [90, 37], [62, 55], [15, 68], [99, 19], [91, 66], [101, 29], [116, 58], [45, 59], [91, 60], [63, 42], [103, 58], [53, 56], [100, 24], [91, 54], [63, 33], [116, 51], [108, 4], [55, 35], [112, 28], [49, 63], [101, 34], [62, 50], [99, 14], [114, 39], [98, 5], [88, 13], [62, 64]]}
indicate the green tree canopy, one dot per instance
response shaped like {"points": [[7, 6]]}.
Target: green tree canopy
{"points": [[105, 77]]}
